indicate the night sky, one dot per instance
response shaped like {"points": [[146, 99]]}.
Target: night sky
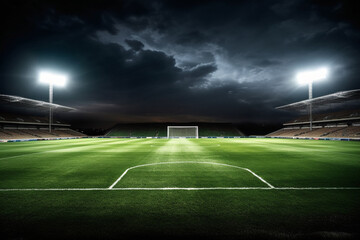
{"points": [[146, 61]]}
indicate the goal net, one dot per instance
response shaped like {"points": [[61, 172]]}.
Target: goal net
{"points": [[182, 132]]}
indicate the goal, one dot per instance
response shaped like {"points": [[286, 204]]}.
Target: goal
{"points": [[182, 132]]}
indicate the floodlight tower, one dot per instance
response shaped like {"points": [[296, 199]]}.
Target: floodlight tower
{"points": [[309, 77], [52, 79]]}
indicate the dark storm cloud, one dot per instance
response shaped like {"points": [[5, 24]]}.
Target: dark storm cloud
{"points": [[158, 60], [135, 45], [266, 63]]}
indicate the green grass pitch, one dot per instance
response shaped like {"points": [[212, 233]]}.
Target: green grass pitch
{"points": [[180, 188]]}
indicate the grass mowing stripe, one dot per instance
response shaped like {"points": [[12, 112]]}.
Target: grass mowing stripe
{"points": [[49, 144], [92, 167], [73, 148], [61, 145], [65, 194], [283, 164]]}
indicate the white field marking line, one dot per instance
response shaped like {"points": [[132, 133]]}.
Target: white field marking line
{"points": [[213, 163], [58, 150], [177, 189]]}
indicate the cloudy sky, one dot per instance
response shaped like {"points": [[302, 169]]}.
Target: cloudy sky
{"points": [[220, 61]]}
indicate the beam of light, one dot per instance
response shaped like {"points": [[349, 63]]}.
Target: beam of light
{"points": [[53, 78], [311, 76]]}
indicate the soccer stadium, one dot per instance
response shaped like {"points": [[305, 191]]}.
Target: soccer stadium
{"points": [[162, 120], [180, 179]]}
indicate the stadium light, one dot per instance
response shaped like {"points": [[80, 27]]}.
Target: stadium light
{"points": [[308, 77], [311, 76], [52, 79]]}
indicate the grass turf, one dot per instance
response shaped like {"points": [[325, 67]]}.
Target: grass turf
{"points": [[97, 163]]}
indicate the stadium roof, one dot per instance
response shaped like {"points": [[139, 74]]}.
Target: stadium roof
{"points": [[338, 97], [33, 103]]}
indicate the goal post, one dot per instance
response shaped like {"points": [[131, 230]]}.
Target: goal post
{"points": [[182, 132]]}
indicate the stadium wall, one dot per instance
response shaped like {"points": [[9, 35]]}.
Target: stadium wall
{"points": [[159, 130], [64, 138]]}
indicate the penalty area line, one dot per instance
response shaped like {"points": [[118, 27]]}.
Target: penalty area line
{"points": [[190, 162], [177, 189]]}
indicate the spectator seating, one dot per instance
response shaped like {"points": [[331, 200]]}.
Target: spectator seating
{"points": [[317, 132], [32, 133], [349, 114]]}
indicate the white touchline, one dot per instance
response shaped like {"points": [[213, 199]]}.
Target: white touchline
{"points": [[184, 162], [177, 189]]}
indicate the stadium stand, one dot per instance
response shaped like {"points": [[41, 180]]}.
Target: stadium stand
{"points": [[19, 124], [15, 126], [13, 134], [160, 129], [320, 132], [288, 132], [218, 130], [330, 125], [138, 130], [343, 124], [348, 115], [351, 132], [9, 117]]}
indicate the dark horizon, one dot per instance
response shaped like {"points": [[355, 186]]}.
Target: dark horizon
{"points": [[178, 61]]}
